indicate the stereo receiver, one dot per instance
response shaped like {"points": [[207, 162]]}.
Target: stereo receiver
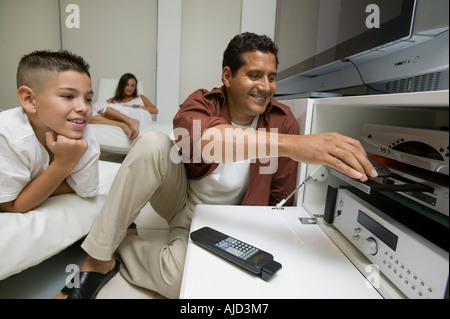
{"points": [[417, 265]]}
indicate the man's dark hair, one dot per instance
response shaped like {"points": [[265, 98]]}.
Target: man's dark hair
{"points": [[29, 71], [233, 57]]}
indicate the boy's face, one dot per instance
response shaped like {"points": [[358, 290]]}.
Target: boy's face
{"points": [[251, 89], [64, 105]]}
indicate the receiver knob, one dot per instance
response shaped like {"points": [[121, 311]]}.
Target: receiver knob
{"points": [[371, 246]]}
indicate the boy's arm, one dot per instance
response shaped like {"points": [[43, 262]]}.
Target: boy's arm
{"points": [[50, 182], [67, 153], [63, 188]]}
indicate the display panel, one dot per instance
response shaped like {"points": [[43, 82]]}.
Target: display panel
{"points": [[378, 230], [313, 34]]}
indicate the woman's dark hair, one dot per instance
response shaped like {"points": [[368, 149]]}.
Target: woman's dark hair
{"points": [[122, 84], [233, 57]]}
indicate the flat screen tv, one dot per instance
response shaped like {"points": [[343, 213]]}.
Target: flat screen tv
{"points": [[314, 34]]}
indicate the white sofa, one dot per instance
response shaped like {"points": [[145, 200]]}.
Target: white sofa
{"points": [[27, 240], [30, 238]]}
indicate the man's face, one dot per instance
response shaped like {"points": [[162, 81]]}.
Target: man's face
{"points": [[64, 105], [251, 89]]}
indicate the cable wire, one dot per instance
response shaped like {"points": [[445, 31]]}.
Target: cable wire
{"points": [[361, 77]]}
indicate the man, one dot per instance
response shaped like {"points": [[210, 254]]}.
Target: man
{"points": [[240, 118]]}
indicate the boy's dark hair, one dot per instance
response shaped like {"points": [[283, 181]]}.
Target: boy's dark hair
{"points": [[119, 95], [233, 57], [29, 71]]}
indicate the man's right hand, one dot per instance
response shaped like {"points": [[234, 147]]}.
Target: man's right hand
{"points": [[340, 152]]}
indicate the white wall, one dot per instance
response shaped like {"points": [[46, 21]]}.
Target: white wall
{"points": [[115, 37], [192, 35], [173, 46], [259, 16], [207, 27], [168, 65], [25, 26]]}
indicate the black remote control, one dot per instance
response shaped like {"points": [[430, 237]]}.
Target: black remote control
{"points": [[244, 255]]}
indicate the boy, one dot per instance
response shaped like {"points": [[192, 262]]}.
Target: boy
{"points": [[46, 147]]}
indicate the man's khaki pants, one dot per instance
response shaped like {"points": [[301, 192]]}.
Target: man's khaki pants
{"points": [[148, 174]]}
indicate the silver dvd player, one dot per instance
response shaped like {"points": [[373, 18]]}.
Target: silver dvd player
{"points": [[431, 191], [424, 148]]}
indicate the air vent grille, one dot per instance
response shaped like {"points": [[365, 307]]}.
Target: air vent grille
{"points": [[434, 81]]}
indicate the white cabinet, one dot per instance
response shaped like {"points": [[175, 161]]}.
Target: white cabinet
{"points": [[347, 115]]}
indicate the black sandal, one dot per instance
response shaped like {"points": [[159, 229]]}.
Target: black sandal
{"points": [[90, 284]]}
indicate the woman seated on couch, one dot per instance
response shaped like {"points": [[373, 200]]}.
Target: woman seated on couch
{"points": [[126, 109]]}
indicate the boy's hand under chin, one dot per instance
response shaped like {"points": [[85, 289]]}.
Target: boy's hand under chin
{"points": [[66, 151]]}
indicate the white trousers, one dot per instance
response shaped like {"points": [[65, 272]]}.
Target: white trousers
{"points": [[147, 175]]}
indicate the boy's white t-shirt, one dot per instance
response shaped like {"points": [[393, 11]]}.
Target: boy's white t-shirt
{"points": [[23, 158], [227, 184]]}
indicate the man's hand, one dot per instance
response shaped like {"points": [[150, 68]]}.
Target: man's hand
{"points": [[340, 152]]}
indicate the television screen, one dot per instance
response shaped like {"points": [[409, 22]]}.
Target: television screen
{"points": [[312, 34]]}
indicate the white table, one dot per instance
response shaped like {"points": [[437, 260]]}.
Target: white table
{"points": [[313, 266]]}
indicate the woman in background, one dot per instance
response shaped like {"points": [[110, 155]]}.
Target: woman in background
{"points": [[126, 109]]}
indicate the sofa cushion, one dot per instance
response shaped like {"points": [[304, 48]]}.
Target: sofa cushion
{"points": [[30, 238]]}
